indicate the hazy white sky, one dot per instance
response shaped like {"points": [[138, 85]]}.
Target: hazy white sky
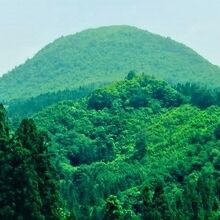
{"points": [[28, 25]]}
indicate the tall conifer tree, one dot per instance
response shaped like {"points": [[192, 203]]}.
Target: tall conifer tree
{"points": [[6, 169]]}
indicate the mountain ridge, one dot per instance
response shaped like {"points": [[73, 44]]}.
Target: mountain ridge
{"points": [[105, 53]]}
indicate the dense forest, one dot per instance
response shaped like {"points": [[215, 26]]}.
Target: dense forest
{"points": [[103, 55], [28, 180], [137, 149], [84, 136], [18, 109]]}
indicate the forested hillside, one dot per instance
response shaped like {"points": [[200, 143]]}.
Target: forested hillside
{"points": [[137, 149], [28, 180], [103, 55], [21, 108]]}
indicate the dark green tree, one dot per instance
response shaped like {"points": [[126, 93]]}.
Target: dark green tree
{"points": [[131, 75], [139, 98], [100, 100], [27, 199], [6, 191], [140, 146], [28, 185], [41, 168], [113, 209], [217, 131]]}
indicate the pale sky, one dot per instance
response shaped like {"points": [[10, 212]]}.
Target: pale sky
{"points": [[28, 25]]}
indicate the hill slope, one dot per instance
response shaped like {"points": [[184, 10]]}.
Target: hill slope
{"points": [[105, 54], [136, 150]]}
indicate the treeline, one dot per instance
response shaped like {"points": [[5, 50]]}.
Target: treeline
{"points": [[198, 95], [28, 182], [25, 108], [195, 94]]}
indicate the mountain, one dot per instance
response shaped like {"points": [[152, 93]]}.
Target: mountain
{"points": [[103, 55], [136, 149]]}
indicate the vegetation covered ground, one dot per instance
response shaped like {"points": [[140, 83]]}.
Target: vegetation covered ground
{"points": [[137, 149], [105, 54]]}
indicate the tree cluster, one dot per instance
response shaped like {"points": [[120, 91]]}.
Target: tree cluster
{"points": [[28, 183]]}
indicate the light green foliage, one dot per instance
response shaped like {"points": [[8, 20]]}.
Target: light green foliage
{"points": [[103, 55], [97, 128], [159, 159], [136, 149]]}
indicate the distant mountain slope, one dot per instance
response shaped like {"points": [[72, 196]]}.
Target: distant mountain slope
{"points": [[105, 54]]}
